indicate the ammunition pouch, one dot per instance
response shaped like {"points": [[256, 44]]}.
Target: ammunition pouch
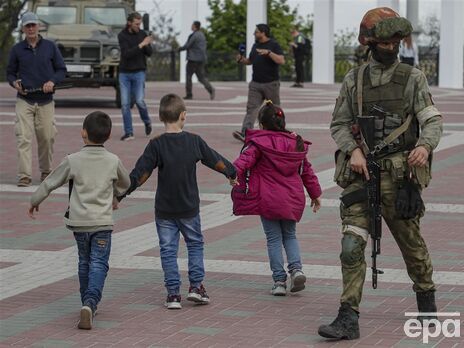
{"points": [[423, 175], [343, 176], [409, 203]]}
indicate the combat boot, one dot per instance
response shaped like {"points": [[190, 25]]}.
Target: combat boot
{"points": [[426, 304], [345, 326]]}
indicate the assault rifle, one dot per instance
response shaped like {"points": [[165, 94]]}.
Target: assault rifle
{"points": [[40, 89], [367, 129]]}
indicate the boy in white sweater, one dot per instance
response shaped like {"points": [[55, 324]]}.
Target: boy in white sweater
{"points": [[95, 177]]}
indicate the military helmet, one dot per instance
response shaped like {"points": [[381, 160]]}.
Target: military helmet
{"points": [[382, 24]]}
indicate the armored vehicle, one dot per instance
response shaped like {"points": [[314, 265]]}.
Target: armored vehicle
{"points": [[86, 33]]}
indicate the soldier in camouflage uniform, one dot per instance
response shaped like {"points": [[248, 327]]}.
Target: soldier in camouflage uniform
{"points": [[402, 91]]}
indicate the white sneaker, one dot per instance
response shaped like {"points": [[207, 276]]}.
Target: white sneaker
{"points": [[86, 319], [279, 289], [297, 280]]}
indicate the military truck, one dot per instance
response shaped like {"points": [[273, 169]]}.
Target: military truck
{"points": [[86, 33]]}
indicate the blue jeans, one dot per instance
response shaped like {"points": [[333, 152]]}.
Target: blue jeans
{"points": [[278, 233], [168, 234], [133, 84], [94, 252]]}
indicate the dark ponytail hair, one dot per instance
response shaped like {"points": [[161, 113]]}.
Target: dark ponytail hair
{"points": [[272, 118]]}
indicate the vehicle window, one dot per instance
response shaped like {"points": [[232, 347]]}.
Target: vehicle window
{"points": [[57, 15], [105, 16]]}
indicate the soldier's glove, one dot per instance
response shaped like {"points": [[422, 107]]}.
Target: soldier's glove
{"points": [[409, 202]]}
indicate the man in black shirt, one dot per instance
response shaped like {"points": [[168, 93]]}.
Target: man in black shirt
{"points": [[298, 47], [266, 55], [177, 203], [135, 47]]}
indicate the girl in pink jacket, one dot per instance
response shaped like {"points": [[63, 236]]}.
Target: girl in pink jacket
{"points": [[272, 173]]}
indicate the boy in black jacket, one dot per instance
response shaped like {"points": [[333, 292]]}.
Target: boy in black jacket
{"points": [[177, 202]]}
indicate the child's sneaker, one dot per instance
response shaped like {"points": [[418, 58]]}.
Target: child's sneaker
{"points": [[86, 319], [198, 295], [297, 280], [173, 302], [279, 289]]}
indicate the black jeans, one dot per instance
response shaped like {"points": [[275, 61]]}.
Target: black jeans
{"points": [[299, 69], [197, 68]]}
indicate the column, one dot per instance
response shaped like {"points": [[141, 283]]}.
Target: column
{"points": [[189, 14], [451, 43], [323, 42], [256, 14]]}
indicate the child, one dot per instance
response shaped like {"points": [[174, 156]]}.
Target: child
{"points": [[177, 201], [95, 176], [272, 171]]}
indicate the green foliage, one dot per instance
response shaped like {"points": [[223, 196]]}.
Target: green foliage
{"points": [[227, 25], [163, 29], [346, 41], [227, 30], [9, 14]]}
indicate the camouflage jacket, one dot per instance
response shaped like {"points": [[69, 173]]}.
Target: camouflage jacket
{"points": [[418, 103]]}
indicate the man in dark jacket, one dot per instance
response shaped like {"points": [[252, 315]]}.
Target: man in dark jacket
{"points": [[135, 47], [34, 64], [298, 46], [196, 59]]}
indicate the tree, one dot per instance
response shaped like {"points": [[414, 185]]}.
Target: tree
{"points": [[9, 18], [163, 29], [227, 30]]}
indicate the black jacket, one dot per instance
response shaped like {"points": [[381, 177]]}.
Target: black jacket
{"points": [[176, 156], [133, 58]]}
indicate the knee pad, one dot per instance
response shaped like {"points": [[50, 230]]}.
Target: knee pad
{"points": [[352, 249]]}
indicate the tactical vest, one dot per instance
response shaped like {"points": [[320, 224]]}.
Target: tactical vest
{"points": [[390, 98]]}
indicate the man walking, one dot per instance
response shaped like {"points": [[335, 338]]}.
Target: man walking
{"points": [[196, 60], [34, 64], [135, 47], [408, 127], [299, 45], [266, 55]]}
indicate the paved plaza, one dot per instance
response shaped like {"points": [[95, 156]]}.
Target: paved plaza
{"points": [[39, 297]]}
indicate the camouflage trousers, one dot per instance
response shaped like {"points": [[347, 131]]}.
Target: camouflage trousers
{"points": [[405, 232]]}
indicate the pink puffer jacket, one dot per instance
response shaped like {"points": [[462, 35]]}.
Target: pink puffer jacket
{"points": [[272, 175]]}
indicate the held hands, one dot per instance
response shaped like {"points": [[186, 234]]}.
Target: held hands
{"points": [[316, 204], [418, 157], [233, 181], [48, 87], [31, 211], [358, 163]]}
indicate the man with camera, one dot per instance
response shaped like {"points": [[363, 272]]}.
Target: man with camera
{"points": [[135, 47]]}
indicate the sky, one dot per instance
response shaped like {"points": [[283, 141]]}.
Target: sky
{"points": [[348, 13]]}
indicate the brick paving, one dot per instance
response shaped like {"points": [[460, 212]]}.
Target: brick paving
{"points": [[39, 302]]}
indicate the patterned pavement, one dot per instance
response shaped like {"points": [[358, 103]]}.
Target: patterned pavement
{"points": [[39, 302]]}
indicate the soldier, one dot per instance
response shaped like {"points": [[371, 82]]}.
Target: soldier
{"points": [[401, 91]]}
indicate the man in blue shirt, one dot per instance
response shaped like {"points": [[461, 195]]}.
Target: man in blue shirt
{"points": [[34, 64]]}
